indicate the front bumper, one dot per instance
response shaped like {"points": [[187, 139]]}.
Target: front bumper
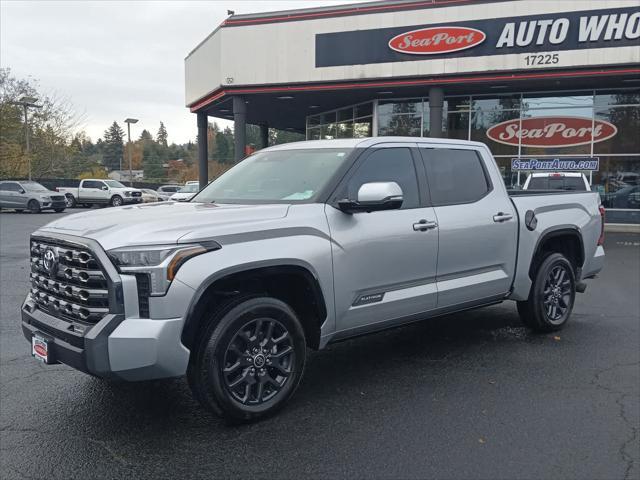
{"points": [[131, 200], [121, 344], [53, 205]]}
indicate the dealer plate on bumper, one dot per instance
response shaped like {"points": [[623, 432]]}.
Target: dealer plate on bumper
{"points": [[40, 348]]}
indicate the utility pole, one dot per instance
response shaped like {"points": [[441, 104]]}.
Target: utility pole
{"points": [[26, 103], [129, 121]]}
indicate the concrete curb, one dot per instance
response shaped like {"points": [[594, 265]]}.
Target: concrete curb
{"points": [[622, 227]]}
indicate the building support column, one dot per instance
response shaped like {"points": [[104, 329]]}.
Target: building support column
{"points": [[203, 155], [239, 127], [436, 102], [264, 135]]}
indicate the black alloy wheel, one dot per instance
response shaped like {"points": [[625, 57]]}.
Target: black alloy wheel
{"points": [[249, 358], [557, 293], [258, 361], [552, 295]]}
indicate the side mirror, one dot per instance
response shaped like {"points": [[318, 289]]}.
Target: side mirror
{"points": [[373, 197], [105, 188], [22, 191]]}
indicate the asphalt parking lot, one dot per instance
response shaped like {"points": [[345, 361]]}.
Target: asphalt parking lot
{"points": [[470, 396]]}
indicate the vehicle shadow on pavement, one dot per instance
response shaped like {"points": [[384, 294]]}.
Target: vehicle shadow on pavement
{"points": [[386, 360]]}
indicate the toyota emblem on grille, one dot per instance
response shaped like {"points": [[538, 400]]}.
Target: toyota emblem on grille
{"points": [[50, 261]]}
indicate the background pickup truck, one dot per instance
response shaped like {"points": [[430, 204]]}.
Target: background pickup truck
{"points": [[95, 191], [298, 246]]}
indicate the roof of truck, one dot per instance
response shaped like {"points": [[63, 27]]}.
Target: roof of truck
{"points": [[370, 141]]}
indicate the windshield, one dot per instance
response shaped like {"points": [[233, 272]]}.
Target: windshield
{"points": [[114, 184], [193, 188], [34, 187], [280, 175]]}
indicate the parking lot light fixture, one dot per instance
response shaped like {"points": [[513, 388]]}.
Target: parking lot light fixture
{"points": [[129, 121], [27, 102]]}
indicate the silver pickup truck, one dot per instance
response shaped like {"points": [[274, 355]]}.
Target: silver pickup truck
{"points": [[298, 246]]}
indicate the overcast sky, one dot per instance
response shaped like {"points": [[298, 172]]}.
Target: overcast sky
{"points": [[115, 60]]}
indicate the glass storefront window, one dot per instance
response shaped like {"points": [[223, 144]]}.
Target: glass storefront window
{"points": [[535, 101], [458, 125], [506, 102], [345, 129], [345, 114], [541, 139], [363, 110], [363, 127], [391, 107], [328, 132], [618, 97], [406, 125], [627, 122], [484, 118]]}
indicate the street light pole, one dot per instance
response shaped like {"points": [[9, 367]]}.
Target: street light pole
{"points": [[129, 121], [26, 102]]}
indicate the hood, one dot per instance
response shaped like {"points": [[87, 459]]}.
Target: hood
{"points": [[164, 222]]}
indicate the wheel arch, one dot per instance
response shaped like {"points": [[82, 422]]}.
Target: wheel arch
{"points": [[565, 239], [293, 282]]}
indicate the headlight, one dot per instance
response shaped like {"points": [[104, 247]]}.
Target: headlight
{"points": [[127, 194], [45, 198], [160, 262]]}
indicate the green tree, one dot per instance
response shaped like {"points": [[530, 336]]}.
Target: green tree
{"points": [[113, 146], [146, 136], [162, 135]]}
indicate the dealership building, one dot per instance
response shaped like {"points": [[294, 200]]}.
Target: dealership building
{"points": [[547, 85]]}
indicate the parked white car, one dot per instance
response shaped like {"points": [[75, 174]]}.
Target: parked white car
{"points": [[186, 193], [573, 181], [150, 196], [165, 191]]}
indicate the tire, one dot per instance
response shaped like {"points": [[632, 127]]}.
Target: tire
{"points": [[116, 201], [34, 206], [552, 295], [58, 210], [71, 201], [232, 370]]}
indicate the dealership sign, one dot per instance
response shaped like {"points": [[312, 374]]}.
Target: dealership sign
{"points": [[552, 32], [551, 132], [431, 41], [556, 164]]}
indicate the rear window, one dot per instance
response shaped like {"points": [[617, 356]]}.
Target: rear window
{"points": [[557, 183]]}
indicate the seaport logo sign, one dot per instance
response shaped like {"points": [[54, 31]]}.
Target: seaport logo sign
{"points": [[496, 36]]}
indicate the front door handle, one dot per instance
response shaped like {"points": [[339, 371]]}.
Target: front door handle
{"points": [[424, 225], [502, 217]]}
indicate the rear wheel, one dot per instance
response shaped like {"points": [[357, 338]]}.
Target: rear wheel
{"points": [[34, 206], [250, 359], [116, 201], [552, 295]]}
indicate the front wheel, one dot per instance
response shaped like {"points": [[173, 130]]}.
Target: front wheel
{"points": [[34, 206], [552, 295], [116, 201], [249, 360], [71, 201]]}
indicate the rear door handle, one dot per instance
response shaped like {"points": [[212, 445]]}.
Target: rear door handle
{"points": [[502, 217], [424, 225]]}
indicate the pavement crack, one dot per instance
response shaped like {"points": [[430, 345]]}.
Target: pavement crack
{"points": [[626, 457]]}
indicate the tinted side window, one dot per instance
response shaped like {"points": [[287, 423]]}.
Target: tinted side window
{"points": [[455, 176], [10, 187], [92, 184], [388, 165]]}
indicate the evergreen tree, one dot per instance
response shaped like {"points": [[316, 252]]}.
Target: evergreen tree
{"points": [[113, 147], [162, 135], [152, 160], [146, 136]]}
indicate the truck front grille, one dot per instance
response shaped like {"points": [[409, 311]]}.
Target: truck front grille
{"points": [[68, 282]]}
